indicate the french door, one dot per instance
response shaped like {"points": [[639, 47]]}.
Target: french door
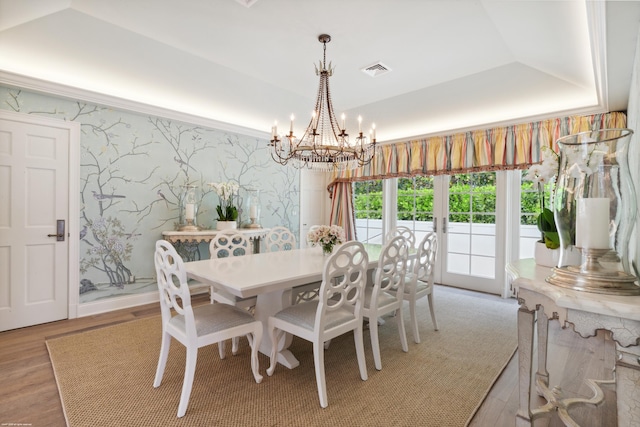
{"points": [[469, 221], [467, 213]]}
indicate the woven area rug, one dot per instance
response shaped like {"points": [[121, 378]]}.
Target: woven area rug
{"points": [[105, 376]]}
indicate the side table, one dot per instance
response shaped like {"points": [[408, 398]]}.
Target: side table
{"points": [[187, 242], [587, 312]]}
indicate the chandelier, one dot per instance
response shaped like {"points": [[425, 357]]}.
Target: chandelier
{"points": [[324, 145]]}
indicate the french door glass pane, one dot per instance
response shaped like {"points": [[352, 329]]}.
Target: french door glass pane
{"points": [[415, 205], [530, 207], [368, 210], [471, 231]]}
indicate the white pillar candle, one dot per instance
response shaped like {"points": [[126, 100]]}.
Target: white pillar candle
{"points": [[190, 210], [592, 223], [253, 212]]}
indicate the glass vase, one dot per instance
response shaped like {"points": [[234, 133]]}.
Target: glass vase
{"points": [[253, 208], [189, 201], [327, 249], [595, 209]]}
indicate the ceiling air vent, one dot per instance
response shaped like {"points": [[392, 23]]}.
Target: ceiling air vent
{"points": [[246, 3], [377, 69]]}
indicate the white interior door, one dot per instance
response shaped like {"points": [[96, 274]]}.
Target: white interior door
{"points": [[34, 187]]}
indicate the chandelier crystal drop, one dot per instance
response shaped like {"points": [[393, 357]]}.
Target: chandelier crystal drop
{"points": [[325, 143]]}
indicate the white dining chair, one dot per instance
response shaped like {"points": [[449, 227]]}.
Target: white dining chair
{"points": [[282, 239], [419, 281], [385, 296], [337, 311], [195, 327], [279, 239], [404, 232], [408, 234], [230, 243]]}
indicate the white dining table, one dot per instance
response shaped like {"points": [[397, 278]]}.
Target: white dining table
{"points": [[268, 276]]}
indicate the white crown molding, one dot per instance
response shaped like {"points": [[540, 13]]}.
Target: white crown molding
{"points": [[597, 22], [585, 111], [51, 88]]}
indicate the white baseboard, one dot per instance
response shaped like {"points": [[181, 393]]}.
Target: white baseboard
{"points": [[118, 303]]}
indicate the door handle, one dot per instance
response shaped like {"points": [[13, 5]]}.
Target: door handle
{"points": [[60, 231], [445, 222]]}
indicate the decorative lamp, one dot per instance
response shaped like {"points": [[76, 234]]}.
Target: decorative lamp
{"points": [[189, 199], [595, 209], [253, 208]]}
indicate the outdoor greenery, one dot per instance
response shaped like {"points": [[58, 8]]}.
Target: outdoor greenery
{"points": [[475, 193]]}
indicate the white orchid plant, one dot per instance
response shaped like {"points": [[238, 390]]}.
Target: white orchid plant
{"points": [[226, 192], [542, 174]]}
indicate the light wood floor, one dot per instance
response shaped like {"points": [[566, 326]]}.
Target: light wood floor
{"points": [[29, 395]]}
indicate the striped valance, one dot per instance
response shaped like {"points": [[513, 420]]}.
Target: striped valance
{"points": [[510, 147]]}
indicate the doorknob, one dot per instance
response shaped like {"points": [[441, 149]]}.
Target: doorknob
{"points": [[60, 231]]}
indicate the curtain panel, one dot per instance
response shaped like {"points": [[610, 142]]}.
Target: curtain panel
{"points": [[511, 147], [342, 212]]}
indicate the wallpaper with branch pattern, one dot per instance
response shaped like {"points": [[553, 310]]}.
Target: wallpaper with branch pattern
{"points": [[132, 168]]}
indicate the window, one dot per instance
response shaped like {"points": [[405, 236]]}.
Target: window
{"points": [[415, 204], [530, 207], [471, 228], [368, 210]]}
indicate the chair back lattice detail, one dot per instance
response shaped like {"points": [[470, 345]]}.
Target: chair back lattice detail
{"points": [[343, 280], [229, 243], [280, 239], [172, 284], [405, 232], [392, 267], [424, 263]]}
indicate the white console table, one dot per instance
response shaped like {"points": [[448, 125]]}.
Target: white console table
{"points": [[187, 242], [587, 312]]}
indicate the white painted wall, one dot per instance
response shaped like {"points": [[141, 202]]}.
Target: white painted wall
{"points": [[633, 122]]}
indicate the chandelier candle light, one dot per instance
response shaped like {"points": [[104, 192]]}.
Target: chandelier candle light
{"points": [[325, 144]]}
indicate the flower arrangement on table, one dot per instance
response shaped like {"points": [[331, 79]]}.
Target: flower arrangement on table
{"points": [[542, 174], [226, 192], [327, 237]]}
